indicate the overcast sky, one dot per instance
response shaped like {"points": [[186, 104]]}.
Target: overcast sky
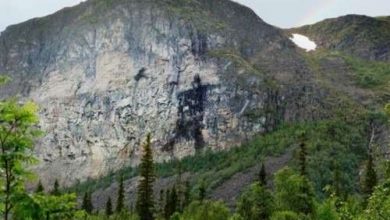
{"points": [[281, 13]]}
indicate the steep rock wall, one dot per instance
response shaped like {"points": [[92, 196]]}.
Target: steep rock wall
{"points": [[195, 74]]}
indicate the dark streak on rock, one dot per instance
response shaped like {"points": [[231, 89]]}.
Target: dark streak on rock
{"points": [[191, 112]]}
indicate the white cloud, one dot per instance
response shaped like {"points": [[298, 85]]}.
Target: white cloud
{"points": [[303, 42]]}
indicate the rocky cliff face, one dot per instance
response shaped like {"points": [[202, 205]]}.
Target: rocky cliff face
{"points": [[196, 74]]}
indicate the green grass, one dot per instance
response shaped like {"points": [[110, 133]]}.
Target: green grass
{"points": [[369, 74], [366, 74]]}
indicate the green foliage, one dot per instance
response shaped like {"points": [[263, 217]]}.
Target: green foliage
{"points": [[350, 208], [3, 79], [236, 216], [327, 210], [198, 210], [40, 206], [145, 201], [285, 215], [256, 203], [17, 134], [379, 203], [294, 192], [369, 73], [387, 109], [118, 216]]}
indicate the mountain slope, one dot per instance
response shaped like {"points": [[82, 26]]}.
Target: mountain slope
{"points": [[358, 35], [195, 73]]}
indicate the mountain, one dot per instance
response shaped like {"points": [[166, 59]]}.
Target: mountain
{"points": [[358, 35], [197, 74]]}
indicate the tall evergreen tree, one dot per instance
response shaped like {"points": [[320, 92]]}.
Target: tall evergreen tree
{"points": [[87, 203], [202, 191], [370, 179], [121, 196], [167, 205], [145, 203], [302, 155], [40, 188], [263, 176], [171, 205], [56, 188], [187, 195], [256, 203], [109, 211], [161, 203]]}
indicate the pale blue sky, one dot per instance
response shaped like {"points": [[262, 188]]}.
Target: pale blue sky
{"points": [[281, 13]]}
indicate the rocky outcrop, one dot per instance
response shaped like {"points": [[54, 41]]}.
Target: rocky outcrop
{"points": [[196, 74]]}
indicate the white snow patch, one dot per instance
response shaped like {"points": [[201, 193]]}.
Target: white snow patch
{"points": [[303, 42]]}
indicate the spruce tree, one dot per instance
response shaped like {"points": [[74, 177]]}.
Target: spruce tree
{"points": [[40, 188], [172, 203], [121, 196], [187, 195], [87, 203], [370, 179], [263, 176], [145, 203], [174, 199], [302, 155], [167, 206], [161, 203], [202, 191], [56, 189], [109, 211]]}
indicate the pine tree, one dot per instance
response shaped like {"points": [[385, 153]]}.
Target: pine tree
{"points": [[109, 211], [56, 189], [40, 188], [370, 179], [172, 203], [87, 203], [302, 155], [187, 195], [161, 203], [263, 176], [167, 206], [145, 203], [202, 191], [121, 196]]}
